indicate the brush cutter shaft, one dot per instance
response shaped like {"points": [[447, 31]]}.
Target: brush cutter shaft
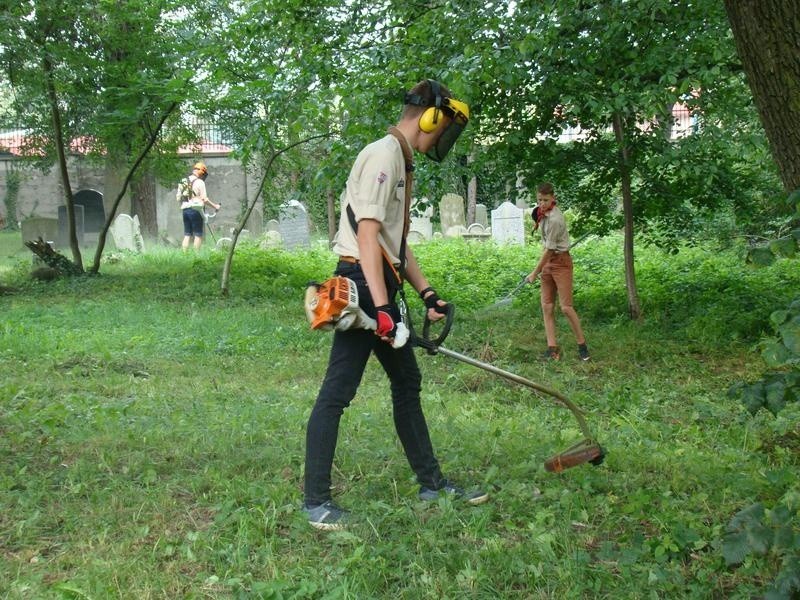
{"points": [[521, 380]]}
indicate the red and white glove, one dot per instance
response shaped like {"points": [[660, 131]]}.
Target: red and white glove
{"points": [[390, 325], [387, 316]]}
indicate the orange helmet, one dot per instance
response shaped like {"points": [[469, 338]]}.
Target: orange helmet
{"points": [[200, 167]]}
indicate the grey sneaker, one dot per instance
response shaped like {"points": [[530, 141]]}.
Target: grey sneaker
{"points": [[473, 497], [583, 352], [326, 516]]}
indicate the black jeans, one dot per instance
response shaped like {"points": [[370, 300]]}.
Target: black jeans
{"points": [[349, 354]]}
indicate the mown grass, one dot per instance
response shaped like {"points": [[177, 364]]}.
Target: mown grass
{"points": [[152, 434]]}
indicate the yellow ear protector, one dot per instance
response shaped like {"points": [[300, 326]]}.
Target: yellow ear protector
{"points": [[429, 120]]}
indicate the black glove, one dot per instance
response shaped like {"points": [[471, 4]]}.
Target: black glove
{"points": [[388, 316], [432, 300]]}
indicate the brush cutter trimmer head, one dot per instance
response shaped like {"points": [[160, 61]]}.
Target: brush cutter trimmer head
{"points": [[579, 454]]}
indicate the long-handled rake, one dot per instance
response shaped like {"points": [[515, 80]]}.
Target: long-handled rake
{"points": [[587, 450]]}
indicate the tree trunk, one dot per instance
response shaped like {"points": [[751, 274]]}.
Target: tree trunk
{"points": [[627, 208], [766, 35], [62, 161], [143, 192]]}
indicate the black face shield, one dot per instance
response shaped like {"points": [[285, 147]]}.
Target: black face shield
{"points": [[446, 140], [459, 116]]}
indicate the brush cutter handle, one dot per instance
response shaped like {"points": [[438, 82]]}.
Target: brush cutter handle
{"points": [[429, 344]]}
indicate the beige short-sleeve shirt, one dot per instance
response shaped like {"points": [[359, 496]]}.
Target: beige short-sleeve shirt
{"points": [[375, 189], [554, 231]]}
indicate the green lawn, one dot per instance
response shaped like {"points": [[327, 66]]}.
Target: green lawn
{"points": [[152, 435]]}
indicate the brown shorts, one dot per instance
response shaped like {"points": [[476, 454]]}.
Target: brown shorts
{"points": [[557, 276]]}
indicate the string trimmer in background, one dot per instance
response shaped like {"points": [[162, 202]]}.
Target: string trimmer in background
{"points": [[585, 451], [207, 218], [506, 300]]}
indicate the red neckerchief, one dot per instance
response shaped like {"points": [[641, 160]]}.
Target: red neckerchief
{"points": [[539, 214]]}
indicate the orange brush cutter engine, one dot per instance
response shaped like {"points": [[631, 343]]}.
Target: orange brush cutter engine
{"points": [[333, 304]]}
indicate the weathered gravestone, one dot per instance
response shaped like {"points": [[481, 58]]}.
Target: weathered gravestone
{"points": [[455, 231], [421, 226], [415, 237], [272, 225], [63, 226], [127, 233], [94, 213], [481, 215], [293, 225], [451, 212], [34, 228], [270, 239], [507, 224]]}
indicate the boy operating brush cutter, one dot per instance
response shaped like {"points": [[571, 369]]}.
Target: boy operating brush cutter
{"points": [[374, 256]]}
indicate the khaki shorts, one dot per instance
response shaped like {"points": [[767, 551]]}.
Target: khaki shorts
{"points": [[557, 276]]}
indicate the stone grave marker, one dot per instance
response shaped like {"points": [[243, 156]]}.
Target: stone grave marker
{"points": [[455, 231], [451, 211], [127, 233], [415, 237], [507, 224], [293, 225], [481, 216], [34, 228], [271, 239], [422, 226], [63, 226]]}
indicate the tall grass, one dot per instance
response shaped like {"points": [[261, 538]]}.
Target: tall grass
{"points": [[152, 434]]}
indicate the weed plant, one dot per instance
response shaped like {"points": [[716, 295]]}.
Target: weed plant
{"points": [[152, 434]]}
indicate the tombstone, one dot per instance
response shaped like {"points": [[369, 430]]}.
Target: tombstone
{"points": [[455, 231], [272, 225], [63, 226], [255, 222], [481, 216], [293, 225], [507, 224], [451, 212], [127, 233], [94, 213], [271, 239], [34, 228], [244, 234], [415, 237], [222, 243], [478, 232], [421, 225]]}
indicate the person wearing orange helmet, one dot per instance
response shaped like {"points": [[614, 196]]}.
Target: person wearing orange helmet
{"points": [[193, 199]]}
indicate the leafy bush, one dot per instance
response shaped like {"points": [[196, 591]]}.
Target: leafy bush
{"points": [[756, 531], [781, 383]]}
